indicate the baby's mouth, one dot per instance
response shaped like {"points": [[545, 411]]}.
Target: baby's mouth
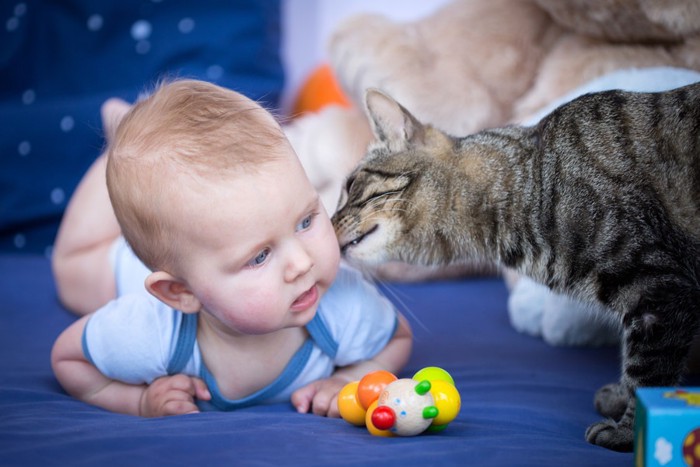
{"points": [[306, 300]]}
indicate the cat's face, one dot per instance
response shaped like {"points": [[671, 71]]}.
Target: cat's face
{"points": [[372, 214], [387, 208]]}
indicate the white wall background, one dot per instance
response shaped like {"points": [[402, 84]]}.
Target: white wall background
{"points": [[307, 25]]}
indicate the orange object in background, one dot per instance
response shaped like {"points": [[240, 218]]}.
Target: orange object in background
{"points": [[320, 89]]}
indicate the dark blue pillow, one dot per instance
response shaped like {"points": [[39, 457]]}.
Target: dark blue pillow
{"points": [[60, 60]]}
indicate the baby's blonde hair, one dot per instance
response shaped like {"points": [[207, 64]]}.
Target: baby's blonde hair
{"points": [[185, 131]]}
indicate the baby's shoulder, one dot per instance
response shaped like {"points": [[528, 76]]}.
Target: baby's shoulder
{"points": [[358, 317], [132, 338], [348, 282], [353, 300], [136, 311], [134, 320]]}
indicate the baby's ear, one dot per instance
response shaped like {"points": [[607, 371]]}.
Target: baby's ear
{"points": [[392, 124], [172, 291]]}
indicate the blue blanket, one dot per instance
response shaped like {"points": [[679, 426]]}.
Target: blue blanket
{"points": [[523, 402]]}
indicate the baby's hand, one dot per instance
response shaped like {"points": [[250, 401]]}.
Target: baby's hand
{"points": [[321, 397], [173, 395]]}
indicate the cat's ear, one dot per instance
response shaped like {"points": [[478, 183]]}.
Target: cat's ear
{"points": [[391, 123]]}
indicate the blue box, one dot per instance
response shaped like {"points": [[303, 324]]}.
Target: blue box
{"points": [[667, 427]]}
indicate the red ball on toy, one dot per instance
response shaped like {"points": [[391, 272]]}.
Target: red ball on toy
{"points": [[383, 417]]}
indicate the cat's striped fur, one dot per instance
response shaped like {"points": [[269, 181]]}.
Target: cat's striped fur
{"points": [[600, 200]]}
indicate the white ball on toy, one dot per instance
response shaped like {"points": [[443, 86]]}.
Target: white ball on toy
{"points": [[412, 405]]}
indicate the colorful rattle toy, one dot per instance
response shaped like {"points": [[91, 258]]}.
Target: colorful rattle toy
{"points": [[389, 406]]}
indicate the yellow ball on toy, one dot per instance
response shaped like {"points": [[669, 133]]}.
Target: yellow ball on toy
{"points": [[349, 405], [447, 400]]}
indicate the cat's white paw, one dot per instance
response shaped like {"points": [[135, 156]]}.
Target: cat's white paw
{"points": [[526, 306], [561, 321], [571, 323]]}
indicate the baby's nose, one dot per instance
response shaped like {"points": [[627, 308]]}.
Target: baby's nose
{"points": [[299, 262]]}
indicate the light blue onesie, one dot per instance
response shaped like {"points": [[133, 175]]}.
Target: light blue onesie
{"points": [[136, 338]]}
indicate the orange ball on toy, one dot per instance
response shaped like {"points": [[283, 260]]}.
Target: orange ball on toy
{"points": [[372, 384], [319, 90]]}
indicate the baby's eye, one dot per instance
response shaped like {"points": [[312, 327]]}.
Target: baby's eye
{"points": [[305, 223], [259, 258]]}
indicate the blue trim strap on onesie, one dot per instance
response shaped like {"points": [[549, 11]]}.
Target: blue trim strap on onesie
{"points": [[185, 343], [290, 373], [322, 336], [184, 347]]}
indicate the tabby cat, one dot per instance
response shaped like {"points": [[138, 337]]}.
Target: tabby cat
{"points": [[600, 200]]}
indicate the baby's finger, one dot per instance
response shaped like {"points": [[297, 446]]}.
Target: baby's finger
{"points": [[333, 411], [321, 402], [201, 390], [182, 383], [179, 407], [301, 398]]}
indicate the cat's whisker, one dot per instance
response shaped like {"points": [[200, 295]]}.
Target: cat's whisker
{"points": [[383, 195], [398, 298], [403, 306], [379, 200], [395, 202], [384, 210]]}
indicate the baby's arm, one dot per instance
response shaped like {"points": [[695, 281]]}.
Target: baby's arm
{"points": [[321, 396], [169, 395]]}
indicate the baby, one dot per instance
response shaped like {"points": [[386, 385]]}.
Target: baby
{"points": [[226, 289]]}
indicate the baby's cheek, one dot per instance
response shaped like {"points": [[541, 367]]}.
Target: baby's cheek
{"points": [[331, 262], [262, 310], [253, 313], [331, 249]]}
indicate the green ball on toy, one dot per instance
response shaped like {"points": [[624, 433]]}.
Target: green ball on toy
{"points": [[432, 373]]}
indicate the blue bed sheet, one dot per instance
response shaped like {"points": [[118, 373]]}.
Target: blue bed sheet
{"points": [[524, 403]]}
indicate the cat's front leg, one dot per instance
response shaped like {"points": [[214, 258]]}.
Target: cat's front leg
{"points": [[615, 435], [657, 336], [611, 401]]}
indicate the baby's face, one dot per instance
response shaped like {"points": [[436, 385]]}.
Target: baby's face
{"points": [[263, 250]]}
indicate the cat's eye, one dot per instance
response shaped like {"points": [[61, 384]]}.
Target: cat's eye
{"points": [[259, 259], [348, 183]]}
